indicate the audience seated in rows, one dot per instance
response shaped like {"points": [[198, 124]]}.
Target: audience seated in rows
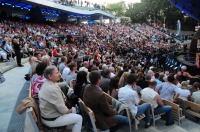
{"points": [[95, 98], [129, 96], [150, 96], [54, 112]]}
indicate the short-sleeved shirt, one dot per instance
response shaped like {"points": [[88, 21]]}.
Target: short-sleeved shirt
{"points": [[184, 93], [65, 72], [130, 97], [55, 52], [167, 91], [158, 82], [196, 97], [70, 76], [61, 67], [148, 95]]}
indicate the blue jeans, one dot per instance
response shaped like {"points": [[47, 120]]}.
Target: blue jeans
{"points": [[121, 120], [168, 111], [144, 109]]}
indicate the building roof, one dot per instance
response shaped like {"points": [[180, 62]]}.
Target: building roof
{"points": [[189, 7]]}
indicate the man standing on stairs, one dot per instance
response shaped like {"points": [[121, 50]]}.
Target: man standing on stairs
{"points": [[17, 49]]}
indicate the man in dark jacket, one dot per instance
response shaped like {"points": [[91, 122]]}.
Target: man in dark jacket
{"points": [[17, 49], [96, 99], [105, 82]]}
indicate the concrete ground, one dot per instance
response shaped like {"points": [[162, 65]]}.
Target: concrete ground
{"points": [[16, 88], [10, 90], [6, 66]]}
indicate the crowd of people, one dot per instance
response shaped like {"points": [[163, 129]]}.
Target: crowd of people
{"points": [[124, 61]]}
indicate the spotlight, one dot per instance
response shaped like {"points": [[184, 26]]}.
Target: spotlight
{"points": [[175, 68]]}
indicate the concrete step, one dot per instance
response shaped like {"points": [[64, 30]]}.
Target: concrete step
{"points": [[175, 128], [2, 64], [190, 125], [160, 127], [5, 66]]}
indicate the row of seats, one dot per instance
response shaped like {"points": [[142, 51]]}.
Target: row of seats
{"points": [[89, 117]]}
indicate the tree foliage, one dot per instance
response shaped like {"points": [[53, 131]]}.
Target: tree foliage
{"points": [[158, 11], [152, 11], [117, 9]]}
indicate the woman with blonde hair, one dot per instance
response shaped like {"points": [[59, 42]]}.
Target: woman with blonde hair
{"points": [[46, 59], [123, 79], [184, 92], [161, 75]]}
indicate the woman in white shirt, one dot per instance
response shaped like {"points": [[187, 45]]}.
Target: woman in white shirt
{"points": [[184, 92]]}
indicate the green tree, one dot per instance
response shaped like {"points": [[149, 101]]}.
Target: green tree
{"points": [[154, 11], [117, 9]]}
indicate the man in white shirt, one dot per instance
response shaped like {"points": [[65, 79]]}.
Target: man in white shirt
{"points": [[129, 96], [66, 71], [150, 96], [196, 96], [112, 72]]}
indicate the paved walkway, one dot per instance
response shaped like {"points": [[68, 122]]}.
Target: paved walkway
{"points": [[10, 91], [6, 66]]}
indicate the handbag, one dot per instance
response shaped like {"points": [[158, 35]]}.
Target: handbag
{"points": [[2, 79]]}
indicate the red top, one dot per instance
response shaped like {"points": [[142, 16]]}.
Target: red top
{"points": [[55, 52]]}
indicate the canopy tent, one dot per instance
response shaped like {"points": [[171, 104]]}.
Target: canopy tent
{"points": [[189, 7]]}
